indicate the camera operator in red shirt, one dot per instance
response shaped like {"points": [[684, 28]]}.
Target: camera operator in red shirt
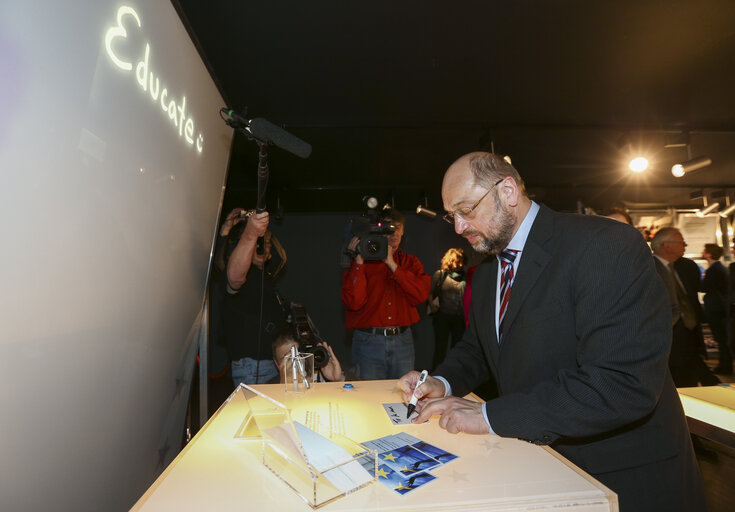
{"points": [[381, 299]]}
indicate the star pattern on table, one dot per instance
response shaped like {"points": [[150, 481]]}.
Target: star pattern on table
{"points": [[402, 488], [383, 473], [390, 457], [459, 477], [491, 445], [407, 470]]}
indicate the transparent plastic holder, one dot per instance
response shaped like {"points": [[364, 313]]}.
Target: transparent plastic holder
{"points": [[320, 467], [298, 372]]}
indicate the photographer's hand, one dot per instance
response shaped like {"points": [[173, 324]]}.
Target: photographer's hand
{"points": [[232, 218], [352, 246], [257, 225], [242, 256], [332, 371], [392, 265]]}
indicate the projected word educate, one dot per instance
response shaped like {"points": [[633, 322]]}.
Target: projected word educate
{"points": [[151, 83]]}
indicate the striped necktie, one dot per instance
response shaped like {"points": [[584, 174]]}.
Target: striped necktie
{"points": [[506, 280]]}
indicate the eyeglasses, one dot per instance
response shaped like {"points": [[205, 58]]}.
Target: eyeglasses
{"points": [[466, 211]]}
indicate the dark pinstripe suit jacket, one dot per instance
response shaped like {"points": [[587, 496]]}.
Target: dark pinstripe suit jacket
{"points": [[583, 361]]}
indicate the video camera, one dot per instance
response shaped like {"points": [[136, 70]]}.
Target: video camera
{"points": [[372, 229], [304, 332]]}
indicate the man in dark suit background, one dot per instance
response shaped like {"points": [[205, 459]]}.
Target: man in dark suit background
{"points": [[714, 285], [574, 324], [690, 275], [687, 367], [731, 301]]}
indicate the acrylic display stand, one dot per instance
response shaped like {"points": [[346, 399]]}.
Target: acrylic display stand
{"points": [[320, 467], [297, 371]]}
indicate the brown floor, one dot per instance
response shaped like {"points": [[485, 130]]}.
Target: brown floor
{"points": [[716, 461]]}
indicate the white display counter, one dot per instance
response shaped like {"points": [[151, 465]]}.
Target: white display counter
{"points": [[710, 412], [218, 471]]}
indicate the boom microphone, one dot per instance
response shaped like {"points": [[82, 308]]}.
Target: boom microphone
{"points": [[265, 131], [236, 120], [269, 132]]}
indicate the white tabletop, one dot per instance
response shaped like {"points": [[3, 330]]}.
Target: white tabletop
{"points": [[215, 470]]}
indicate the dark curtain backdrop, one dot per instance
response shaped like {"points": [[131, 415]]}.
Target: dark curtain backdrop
{"points": [[313, 276]]}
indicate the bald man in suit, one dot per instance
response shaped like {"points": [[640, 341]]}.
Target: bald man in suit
{"points": [[578, 344]]}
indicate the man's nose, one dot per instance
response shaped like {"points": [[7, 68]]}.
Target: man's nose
{"points": [[460, 225]]}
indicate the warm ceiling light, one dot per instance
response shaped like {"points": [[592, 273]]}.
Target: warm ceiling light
{"points": [[727, 211], [507, 159], [638, 164], [682, 168], [708, 210]]}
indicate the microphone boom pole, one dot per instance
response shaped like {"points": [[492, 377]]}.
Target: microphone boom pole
{"points": [[263, 174]]}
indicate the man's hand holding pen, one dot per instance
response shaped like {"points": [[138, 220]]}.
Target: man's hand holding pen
{"points": [[457, 414], [431, 388]]}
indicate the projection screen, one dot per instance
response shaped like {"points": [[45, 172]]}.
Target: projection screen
{"points": [[113, 165]]}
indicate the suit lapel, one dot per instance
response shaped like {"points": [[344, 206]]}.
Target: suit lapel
{"points": [[483, 303], [534, 259]]}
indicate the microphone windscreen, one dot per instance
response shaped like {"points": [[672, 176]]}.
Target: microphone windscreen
{"points": [[265, 130]]}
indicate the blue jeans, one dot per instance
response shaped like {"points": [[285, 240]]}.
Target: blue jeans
{"points": [[243, 370], [382, 357]]}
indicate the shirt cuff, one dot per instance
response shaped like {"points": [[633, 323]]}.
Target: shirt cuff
{"points": [[448, 391], [484, 413], [447, 387]]}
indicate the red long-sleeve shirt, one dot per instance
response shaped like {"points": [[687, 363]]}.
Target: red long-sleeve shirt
{"points": [[376, 297]]}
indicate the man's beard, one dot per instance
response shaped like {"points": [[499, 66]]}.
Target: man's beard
{"points": [[495, 244]]}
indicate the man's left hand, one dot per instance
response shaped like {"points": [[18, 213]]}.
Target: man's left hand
{"points": [[332, 371], [457, 415], [392, 265]]}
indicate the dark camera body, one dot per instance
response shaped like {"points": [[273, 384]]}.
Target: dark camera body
{"points": [[372, 233], [304, 334]]}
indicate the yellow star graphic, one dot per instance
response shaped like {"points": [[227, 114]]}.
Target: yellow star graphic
{"points": [[390, 457], [406, 470], [401, 487], [383, 473]]}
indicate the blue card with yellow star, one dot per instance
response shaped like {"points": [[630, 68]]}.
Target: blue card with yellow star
{"points": [[399, 483], [437, 453], [407, 460]]}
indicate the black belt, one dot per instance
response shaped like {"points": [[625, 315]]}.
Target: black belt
{"points": [[385, 331]]}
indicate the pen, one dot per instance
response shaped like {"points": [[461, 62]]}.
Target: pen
{"points": [[412, 403]]}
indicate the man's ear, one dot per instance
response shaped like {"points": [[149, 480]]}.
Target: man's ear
{"points": [[509, 191]]}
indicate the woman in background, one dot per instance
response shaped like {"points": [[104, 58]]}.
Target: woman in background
{"points": [[445, 303]]}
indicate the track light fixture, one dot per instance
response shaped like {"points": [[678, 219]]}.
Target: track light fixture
{"points": [[709, 209], [727, 211], [683, 168], [425, 212]]}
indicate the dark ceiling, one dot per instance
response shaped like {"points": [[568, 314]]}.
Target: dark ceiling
{"points": [[390, 93]]}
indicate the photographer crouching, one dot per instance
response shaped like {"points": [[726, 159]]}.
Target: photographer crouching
{"points": [[329, 371], [380, 296]]}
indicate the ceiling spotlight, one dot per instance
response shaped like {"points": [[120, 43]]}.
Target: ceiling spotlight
{"points": [[682, 168], [370, 202], [708, 210], [425, 212], [727, 211], [638, 164], [507, 159]]}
